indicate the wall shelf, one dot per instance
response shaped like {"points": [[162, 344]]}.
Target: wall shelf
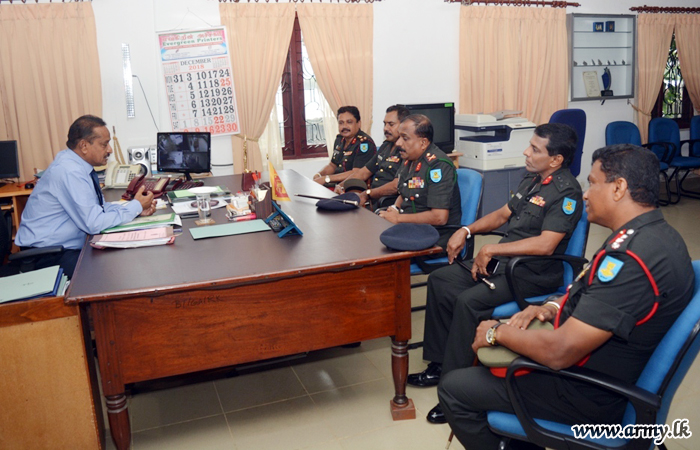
{"points": [[605, 46]]}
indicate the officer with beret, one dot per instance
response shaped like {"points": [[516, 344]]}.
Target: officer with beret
{"points": [[381, 170], [427, 181], [540, 218], [611, 321], [352, 149]]}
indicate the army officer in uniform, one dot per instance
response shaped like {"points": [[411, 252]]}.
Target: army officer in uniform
{"points": [[352, 149], [427, 181]]}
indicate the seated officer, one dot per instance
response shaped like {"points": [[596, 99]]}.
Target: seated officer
{"points": [[427, 182], [67, 203], [608, 317], [352, 148], [540, 219], [383, 168]]}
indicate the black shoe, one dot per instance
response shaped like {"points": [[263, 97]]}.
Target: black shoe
{"points": [[436, 416], [428, 377]]}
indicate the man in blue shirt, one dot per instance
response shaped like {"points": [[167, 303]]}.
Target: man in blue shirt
{"points": [[67, 204]]}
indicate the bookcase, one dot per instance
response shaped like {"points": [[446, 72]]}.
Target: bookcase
{"points": [[597, 42]]}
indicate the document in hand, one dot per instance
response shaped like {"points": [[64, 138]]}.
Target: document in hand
{"points": [[143, 223], [47, 282], [134, 239]]}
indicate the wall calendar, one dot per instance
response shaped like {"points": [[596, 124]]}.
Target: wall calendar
{"points": [[199, 81]]}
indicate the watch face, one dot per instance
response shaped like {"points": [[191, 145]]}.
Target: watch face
{"points": [[489, 336]]}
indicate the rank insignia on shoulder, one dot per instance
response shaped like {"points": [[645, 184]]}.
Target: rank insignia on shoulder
{"points": [[609, 269], [364, 147], [430, 157], [569, 206], [436, 175]]}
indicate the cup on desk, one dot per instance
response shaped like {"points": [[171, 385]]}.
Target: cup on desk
{"points": [[204, 209]]}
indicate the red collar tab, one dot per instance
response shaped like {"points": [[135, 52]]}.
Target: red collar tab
{"points": [[547, 180]]}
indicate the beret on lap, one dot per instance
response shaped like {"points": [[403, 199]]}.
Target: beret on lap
{"points": [[410, 236], [354, 184], [333, 205]]}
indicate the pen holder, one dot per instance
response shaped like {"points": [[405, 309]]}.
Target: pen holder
{"points": [[263, 208], [248, 181]]}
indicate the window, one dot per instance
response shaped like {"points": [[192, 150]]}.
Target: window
{"points": [[673, 101], [300, 104]]}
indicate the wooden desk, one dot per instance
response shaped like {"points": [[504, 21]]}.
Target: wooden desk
{"points": [[199, 305], [19, 200], [46, 378]]}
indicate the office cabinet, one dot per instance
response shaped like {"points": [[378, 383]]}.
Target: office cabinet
{"points": [[599, 42]]}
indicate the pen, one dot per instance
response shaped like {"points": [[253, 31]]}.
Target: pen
{"points": [[246, 217]]}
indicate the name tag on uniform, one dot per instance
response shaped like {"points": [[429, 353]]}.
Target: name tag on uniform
{"points": [[347, 153]]}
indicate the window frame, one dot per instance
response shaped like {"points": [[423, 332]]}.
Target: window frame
{"points": [[294, 139], [686, 104]]}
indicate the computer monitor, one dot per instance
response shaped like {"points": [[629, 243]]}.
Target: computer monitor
{"points": [[442, 116], [9, 160], [184, 152]]}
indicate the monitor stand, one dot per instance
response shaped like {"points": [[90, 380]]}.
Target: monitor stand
{"points": [[188, 177]]}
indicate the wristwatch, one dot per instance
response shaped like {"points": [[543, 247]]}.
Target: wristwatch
{"points": [[491, 333], [328, 179]]}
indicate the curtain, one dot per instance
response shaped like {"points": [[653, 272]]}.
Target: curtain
{"points": [[653, 41], [259, 37], [687, 39], [338, 38], [513, 58], [49, 76], [271, 142]]}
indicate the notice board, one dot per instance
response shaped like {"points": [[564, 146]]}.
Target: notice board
{"points": [[199, 81]]}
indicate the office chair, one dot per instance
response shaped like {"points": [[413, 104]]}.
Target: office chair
{"points": [[573, 263], [5, 235], [470, 184], [649, 398], [576, 119], [622, 132], [665, 132], [692, 161], [22, 261]]}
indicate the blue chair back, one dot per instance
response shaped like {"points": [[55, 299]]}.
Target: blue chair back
{"points": [[677, 350], [664, 130], [576, 247], [695, 134], [470, 183], [576, 119], [622, 132]]}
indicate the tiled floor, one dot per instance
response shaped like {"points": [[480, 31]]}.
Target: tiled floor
{"points": [[338, 399]]}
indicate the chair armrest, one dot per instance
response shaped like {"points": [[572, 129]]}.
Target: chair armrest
{"points": [[669, 150], [690, 143], [644, 402], [34, 252], [576, 263]]}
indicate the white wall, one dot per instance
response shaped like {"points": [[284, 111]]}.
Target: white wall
{"points": [[416, 60]]}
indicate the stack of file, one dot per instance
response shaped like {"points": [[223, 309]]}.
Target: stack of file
{"points": [[134, 239], [48, 282], [144, 223]]}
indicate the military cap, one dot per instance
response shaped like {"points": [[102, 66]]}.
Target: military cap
{"points": [[354, 184], [336, 203], [410, 236]]}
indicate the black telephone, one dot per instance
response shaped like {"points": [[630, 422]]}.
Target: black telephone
{"points": [[156, 185]]}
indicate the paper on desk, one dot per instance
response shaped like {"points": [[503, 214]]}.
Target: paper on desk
{"points": [[145, 222], [134, 239], [187, 208]]}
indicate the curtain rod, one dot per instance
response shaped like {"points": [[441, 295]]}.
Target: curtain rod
{"points": [[301, 1], [664, 9], [553, 4], [50, 1]]}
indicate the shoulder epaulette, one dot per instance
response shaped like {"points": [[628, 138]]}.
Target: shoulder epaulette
{"points": [[621, 241]]}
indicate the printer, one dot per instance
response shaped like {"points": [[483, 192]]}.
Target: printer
{"points": [[492, 141]]}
